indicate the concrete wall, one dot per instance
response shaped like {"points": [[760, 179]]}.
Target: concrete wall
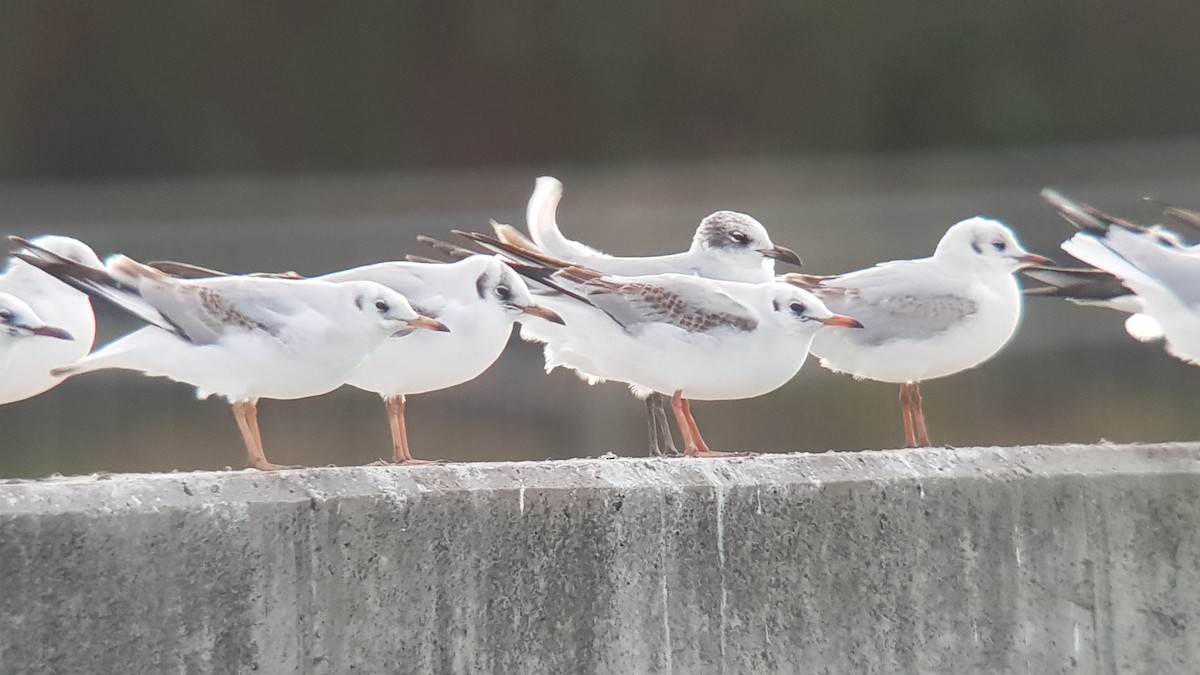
{"points": [[1000, 560]]}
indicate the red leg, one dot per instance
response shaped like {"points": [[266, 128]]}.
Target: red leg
{"points": [[919, 416], [246, 414], [910, 440], [694, 445], [400, 451]]}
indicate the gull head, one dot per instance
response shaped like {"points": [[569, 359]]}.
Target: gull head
{"points": [[803, 312], [740, 240], [18, 320], [500, 285], [983, 242], [389, 310]]}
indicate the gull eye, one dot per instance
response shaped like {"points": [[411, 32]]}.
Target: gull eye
{"points": [[999, 246], [382, 305], [797, 308], [739, 237], [503, 292]]}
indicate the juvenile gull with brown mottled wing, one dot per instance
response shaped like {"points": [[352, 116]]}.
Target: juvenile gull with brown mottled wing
{"points": [[680, 336]]}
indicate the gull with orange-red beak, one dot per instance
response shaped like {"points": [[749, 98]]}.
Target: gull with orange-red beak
{"points": [[926, 318], [478, 299], [676, 335], [241, 337]]}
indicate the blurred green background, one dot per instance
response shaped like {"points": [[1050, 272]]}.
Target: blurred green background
{"points": [[317, 136]]}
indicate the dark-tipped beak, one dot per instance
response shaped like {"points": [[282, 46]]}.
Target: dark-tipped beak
{"points": [[782, 254], [1035, 259], [51, 331], [543, 313], [841, 320], [428, 324]]}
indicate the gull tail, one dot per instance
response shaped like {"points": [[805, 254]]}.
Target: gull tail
{"points": [[181, 270], [119, 282], [515, 252], [1079, 284], [511, 235], [1084, 217], [1185, 217], [1096, 252], [184, 270], [453, 251], [542, 220]]}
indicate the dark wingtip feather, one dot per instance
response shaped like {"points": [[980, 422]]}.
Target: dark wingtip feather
{"points": [[446, 248]]}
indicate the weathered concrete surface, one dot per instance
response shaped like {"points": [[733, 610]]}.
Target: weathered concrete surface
{"points": [[1020, 560]]}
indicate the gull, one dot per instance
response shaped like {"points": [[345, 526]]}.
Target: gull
{"points": [[727, 245], [478, 299], [925, 318], [60, 305], [678, 335], [243, 338], [1152, 262], [19, 323], [1100, 288]]}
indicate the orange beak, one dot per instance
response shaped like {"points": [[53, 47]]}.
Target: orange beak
{"points": [[51, 331], [842, 321], [1035, 259], [428, 324], [543, 313]]}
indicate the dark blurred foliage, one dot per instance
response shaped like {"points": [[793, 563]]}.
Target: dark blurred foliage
{"points": [[99, 88]]}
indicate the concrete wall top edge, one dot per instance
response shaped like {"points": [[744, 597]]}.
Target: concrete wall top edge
{"points": [[112, 492]]}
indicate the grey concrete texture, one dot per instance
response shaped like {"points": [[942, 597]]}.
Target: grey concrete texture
{"points": [[1062, 559]]}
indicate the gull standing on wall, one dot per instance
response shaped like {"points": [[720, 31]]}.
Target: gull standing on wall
{"points": [[727, 245], [925, 318], [478, 299], [240, 337], [682, 336]]}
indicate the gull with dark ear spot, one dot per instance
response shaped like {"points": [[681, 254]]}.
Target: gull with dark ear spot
{"points": [[478, 298], [675, 335], [243, 338], [925, 318], [726, 246], [20, 324], [57, 304]]}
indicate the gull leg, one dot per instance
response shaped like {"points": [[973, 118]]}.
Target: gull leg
{"points": [[693, 443], [919, 416], [652, 422], [400, 451], [910, 440], [246, 414], [661, 441]]}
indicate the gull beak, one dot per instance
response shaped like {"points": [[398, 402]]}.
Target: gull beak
{"points": [[782, 254], [428, 323], [841, 320], [543, 313], [51, 331], [1034, 259]]}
